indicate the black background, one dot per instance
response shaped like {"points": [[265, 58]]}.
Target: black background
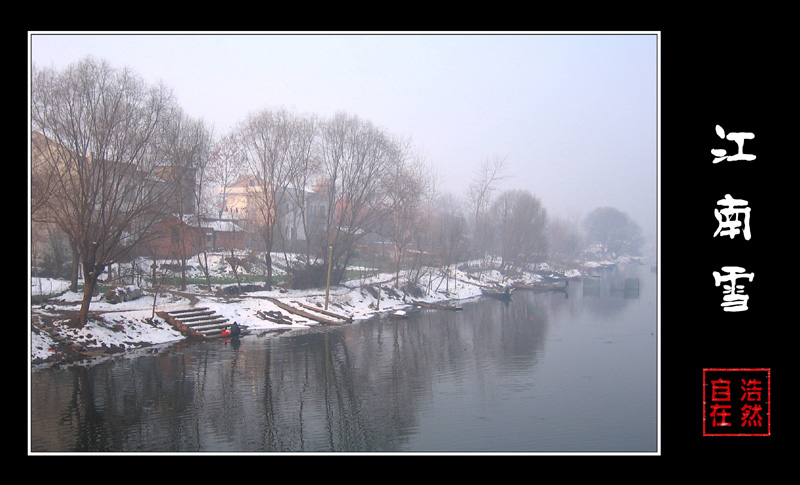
{"points": [[739, 79]]}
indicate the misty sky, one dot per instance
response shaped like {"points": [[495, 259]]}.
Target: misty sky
{"points": [[575, 115]]}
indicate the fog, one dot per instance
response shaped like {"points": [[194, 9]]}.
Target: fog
{"points": [[575, 116]]}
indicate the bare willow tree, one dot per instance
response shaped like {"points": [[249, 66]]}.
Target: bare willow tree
{"points": [[186, 149], [449, 233], [356, 156], [307, 166], [104, 126], [277, 144], [520, 223], [202, 138], [483, 185], [424, 258], [43, 183], [407, 186], [226, 166]]}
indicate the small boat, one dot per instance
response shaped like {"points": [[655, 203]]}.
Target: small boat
{"points": [[436, 306], [398, 315], [552, 286], [504, 295], [525, 286]]}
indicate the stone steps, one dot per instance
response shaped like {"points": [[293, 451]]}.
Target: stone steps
{"points": [[197, 322]]}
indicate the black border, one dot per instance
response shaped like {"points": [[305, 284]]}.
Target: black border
{"points": [[738, 79]]}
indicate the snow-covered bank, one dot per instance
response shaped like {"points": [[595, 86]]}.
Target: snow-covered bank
{"points": [[128, 325]]}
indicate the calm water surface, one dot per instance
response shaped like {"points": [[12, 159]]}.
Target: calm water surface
{"points": [[545, 373]]}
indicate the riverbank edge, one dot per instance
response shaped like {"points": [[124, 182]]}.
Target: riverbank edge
{"points": [[134, 325]]}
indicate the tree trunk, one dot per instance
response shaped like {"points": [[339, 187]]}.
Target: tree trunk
{"points": [[268, 261], [89, 288], [204, 265], [397, 268], [233, 261]]}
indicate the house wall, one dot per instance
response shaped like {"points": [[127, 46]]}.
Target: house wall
{"points": [[170, 237], [228, 240], [289, 230]]}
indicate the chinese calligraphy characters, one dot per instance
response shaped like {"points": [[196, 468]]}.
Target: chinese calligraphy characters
{"points": [[720, 391], [750, 413], [740, 412], [730, 224], [734, 300], [739, 138]]}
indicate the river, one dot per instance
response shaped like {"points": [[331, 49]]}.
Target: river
{"points": [[547, 372]]}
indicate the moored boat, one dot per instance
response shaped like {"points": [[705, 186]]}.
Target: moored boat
{"points": [[436, 306], [504, 294]]}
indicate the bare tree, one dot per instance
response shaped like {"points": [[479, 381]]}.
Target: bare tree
{"points": [[407, 186], [307, 163], [520, 223], [483, 184], [202, 186], [186, 148], [356, 156], [276, 144], [424, 259], [449, 234], [46, 239], [107, 125], [226, 166]]}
